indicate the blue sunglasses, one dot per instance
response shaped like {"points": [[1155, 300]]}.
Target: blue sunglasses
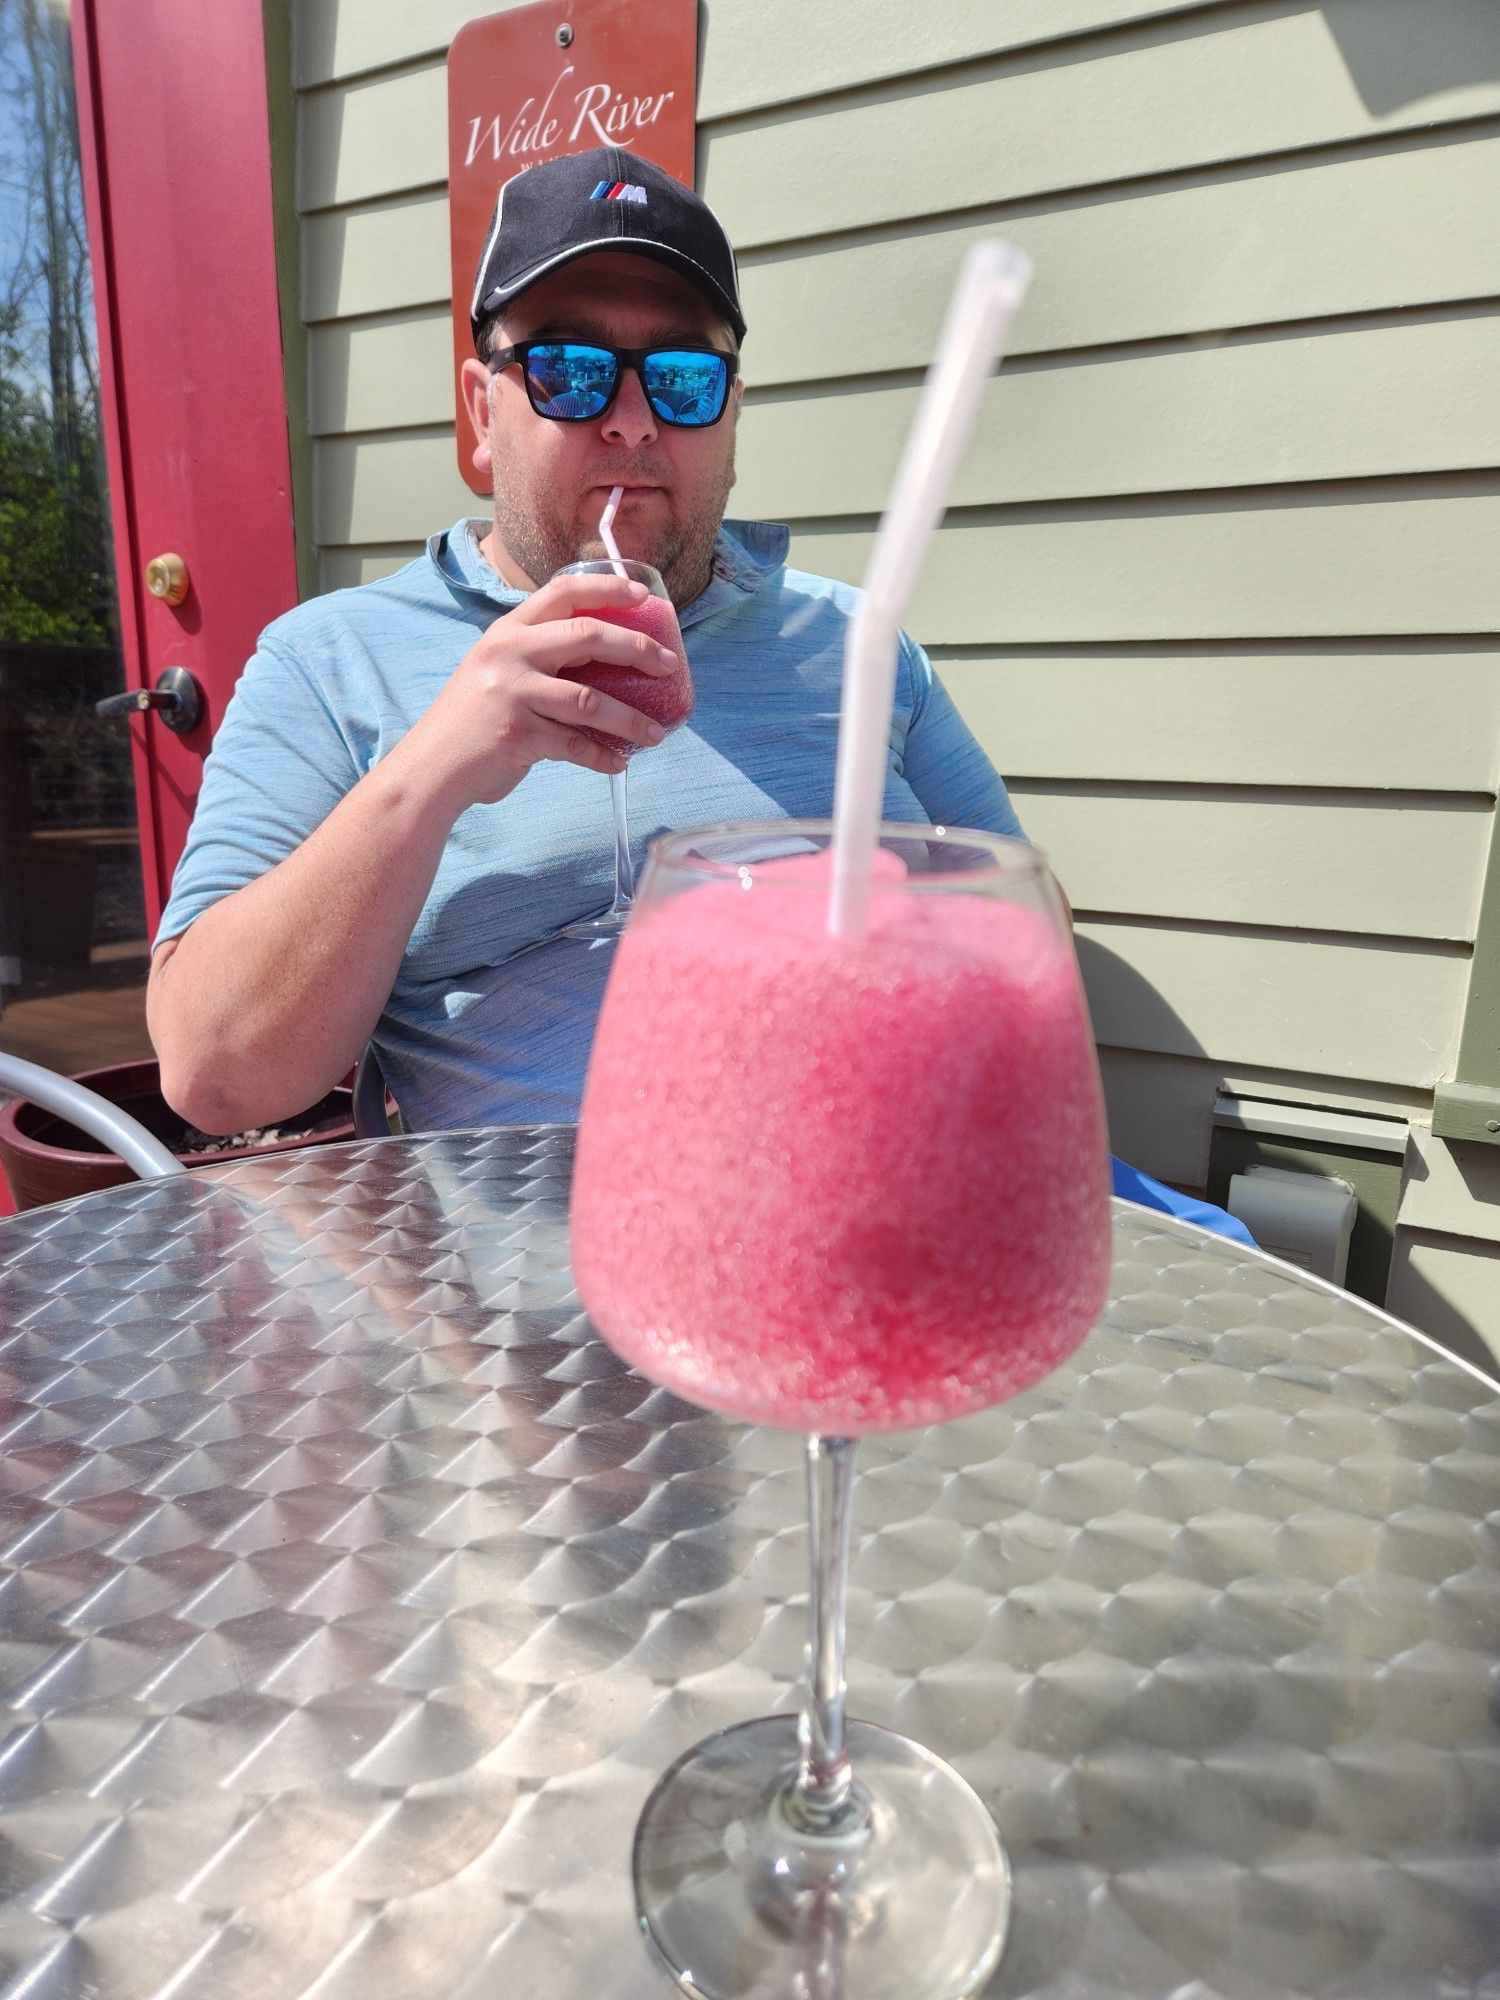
{"points": [[575, 381]]}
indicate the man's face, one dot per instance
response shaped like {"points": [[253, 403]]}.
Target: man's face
{"points": [[551, 480]]}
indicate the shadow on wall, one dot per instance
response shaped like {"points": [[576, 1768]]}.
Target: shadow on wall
{"points": [[1416, 1296], [1128, 1011], [1132, 1015], [1398, 53], [1447, 1284]]}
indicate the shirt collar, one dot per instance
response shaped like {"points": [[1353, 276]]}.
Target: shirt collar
{"points": [[746, 555]]}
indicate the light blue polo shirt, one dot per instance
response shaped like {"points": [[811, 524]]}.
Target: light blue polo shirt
{"points": [[492, 1014]]}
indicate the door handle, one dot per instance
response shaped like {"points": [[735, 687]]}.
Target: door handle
{"points": [[176, 698]]}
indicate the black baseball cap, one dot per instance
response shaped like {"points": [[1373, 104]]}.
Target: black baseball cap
{"points": [[606, 199]]}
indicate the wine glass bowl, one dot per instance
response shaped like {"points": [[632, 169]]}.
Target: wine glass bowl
{"points": [[666, 698], [843, 1185]]}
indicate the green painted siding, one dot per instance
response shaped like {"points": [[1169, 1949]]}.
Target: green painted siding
{"points": [[1469, 1106], [281, 109]]}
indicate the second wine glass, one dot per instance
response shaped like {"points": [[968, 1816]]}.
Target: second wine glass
{"points": [[840, 1185], [666, 698]]}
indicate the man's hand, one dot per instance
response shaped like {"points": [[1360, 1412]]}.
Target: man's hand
{"points": [[268, 999], [505, 709]]}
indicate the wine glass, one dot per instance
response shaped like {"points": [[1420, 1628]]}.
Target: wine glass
{"points": [[841, 1186], [666, 698]]}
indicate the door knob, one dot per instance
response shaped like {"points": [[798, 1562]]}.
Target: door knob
{"points": [[176, 698], [167, 578]]}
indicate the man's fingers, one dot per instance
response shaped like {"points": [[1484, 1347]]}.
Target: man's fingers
{"points": [[574, 642], [574, 706], [556, 743], [566, 596], [592, 756]]}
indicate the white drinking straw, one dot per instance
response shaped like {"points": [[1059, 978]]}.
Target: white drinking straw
{"points": [[990, 287], [607, 530]]}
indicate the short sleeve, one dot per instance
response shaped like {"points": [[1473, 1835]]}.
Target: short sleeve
{"points": [[279, 765], [953, 779]]}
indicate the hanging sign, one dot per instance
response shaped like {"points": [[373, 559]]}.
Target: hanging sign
{"points": [[557, 77]]}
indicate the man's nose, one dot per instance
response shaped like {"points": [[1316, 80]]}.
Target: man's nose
{"points": [[630, 420]]}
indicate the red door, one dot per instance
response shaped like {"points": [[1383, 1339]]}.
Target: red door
{"points": [[175, 148], [140, 326]]}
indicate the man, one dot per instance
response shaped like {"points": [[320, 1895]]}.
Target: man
{"points": [[401, 813]]}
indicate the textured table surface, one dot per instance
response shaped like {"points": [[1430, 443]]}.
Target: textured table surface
{"points": [[352, 1596]]}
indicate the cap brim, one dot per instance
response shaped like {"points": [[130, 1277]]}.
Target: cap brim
{"points": [[701, 279]]}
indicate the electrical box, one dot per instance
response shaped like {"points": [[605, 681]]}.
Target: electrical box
{"points": [[1305, 1218], [1363, 1150]]}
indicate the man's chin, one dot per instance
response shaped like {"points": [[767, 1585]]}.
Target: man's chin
{"points": [[635, 547]]}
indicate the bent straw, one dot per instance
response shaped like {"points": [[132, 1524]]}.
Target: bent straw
{"points": [[607, 530], [990, 287]]}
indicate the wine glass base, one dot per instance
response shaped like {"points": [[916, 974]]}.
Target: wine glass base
{"points": [[738, 1906], [602, 929]]}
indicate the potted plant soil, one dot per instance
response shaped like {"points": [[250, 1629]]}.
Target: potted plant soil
{"points": [[47, 1159]]}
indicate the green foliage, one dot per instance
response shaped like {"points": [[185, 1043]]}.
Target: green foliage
{"points": [[55, 576], [55, 567]]}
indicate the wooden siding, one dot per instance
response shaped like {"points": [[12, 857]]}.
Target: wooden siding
{"points": [[1451, 1290], [1217, 589], [1319, 237], [1253, 410], [1362, 715], [1334, 862], [1405, 556], [1166, 1102], [1453, 1188], [1294, 1001], [1228, 83], [820, 49]]}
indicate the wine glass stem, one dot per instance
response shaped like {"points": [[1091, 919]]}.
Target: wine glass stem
{"points": [[822, 1799], [624, 869]]}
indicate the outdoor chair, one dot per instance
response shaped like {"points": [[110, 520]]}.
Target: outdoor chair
{"points": [[141, 1151]]}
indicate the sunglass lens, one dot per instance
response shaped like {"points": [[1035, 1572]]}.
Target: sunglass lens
{"points": [[567, 379], [686, 386]]}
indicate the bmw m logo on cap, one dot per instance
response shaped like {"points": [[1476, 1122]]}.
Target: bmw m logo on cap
{"points": [[617, 191]]}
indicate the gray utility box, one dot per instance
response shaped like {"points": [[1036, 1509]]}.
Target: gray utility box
{"points": [[1362, 1149], [1308, 1219]]}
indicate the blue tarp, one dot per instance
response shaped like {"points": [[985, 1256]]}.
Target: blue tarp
{"points": [[1132, 1185]]}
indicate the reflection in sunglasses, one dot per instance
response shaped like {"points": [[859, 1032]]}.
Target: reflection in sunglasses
{"points": [[574, 380]]}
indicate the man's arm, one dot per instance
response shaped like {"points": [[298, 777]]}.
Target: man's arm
{"points": [[268, 999], [946, 767], [264, 1002]]}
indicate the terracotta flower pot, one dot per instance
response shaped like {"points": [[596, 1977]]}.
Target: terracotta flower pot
{"points": [[47, 1159]]}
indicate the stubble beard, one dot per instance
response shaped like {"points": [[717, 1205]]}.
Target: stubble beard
{"points": [[542, 541]]}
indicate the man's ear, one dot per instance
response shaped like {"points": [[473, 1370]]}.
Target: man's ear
{"points": [[739, 397], [475, 380]]}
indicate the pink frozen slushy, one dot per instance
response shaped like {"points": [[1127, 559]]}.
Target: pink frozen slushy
{"points": [[666, 698], [841, 1185]]}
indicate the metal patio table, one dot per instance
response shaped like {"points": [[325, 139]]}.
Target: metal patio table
{"points": [[355, 1595]]}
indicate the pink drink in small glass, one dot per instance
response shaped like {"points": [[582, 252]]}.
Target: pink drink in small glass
{"points": [[666, 698], [842, 1185]]}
